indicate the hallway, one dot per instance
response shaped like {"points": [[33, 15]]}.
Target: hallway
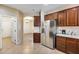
{"points": [[27, 47]]}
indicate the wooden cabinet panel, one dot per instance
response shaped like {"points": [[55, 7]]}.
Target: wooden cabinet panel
{"points": [[37, 21], [71, 45], [67, 45], [36, 37], [62, 21], [46, 17], [51, 16], [78, 46], [55, 15], [69, 17], [61, 43], [72, 17], [78, 16]]}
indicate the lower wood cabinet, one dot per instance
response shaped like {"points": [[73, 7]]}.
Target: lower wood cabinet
{"points": [[71, 45], [36, 37], [61, 43], [67, 45], [78, 46]]}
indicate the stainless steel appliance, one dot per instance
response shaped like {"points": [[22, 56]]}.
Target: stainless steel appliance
{"points": [[48, 33]]}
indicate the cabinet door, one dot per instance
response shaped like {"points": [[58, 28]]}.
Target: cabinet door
{"points": [[71, 45], [62, 18], [37, 21], [72, 17], [61, 43], [55, 15], [78, 46], [51, 16], [36, 37], [78, 16], [14, 33], [46, 17]]}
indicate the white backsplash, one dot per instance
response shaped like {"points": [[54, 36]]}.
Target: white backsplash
{"points": [[37, 29], [69, 30]]}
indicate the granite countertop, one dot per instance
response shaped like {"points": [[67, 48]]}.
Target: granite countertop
{"points": [[69, 36]]}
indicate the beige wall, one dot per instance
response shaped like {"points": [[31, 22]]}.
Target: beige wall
{"points": [[6, 26], [20, 26], [4, 10], [7, 10]]}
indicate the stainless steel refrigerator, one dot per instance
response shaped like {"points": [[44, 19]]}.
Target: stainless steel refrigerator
{"points": [[48, 33]]}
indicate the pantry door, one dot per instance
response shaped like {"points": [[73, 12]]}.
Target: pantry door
{"points": [[14, 30]]}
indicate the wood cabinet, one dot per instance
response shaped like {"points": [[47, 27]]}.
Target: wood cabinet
{"points": [[51, 16], [67, 45], [72, 17], [77, 46], [78, 16], [55, 15], [36, 37], [46, 17], [71, 45], [37, 21], [68, 17], [62, 21], [61, 43]]}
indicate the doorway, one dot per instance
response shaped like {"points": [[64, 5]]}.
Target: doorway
{"points": [[8, 36], [28, 29]]}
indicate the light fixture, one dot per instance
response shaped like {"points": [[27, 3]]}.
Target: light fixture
{"points": [[45, 4], [28, 17]]}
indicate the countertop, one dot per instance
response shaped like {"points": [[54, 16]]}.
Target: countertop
{"points": [[69, 36]]}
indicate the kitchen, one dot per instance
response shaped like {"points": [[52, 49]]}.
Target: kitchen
{"points": [[55, 29], [67, 29], [40, 29]]}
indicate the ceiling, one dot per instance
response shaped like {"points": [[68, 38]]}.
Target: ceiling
{"points": [[33, 9]]}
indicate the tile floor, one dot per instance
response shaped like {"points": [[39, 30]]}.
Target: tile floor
{"points": [[27, 47]]}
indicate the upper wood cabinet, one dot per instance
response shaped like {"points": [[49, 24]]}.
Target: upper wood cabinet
{"points": [[51, 16], [55, 15], [62, 19], [78, 16], [37, 21], [46, 17], [68, 17], [72, 17]]}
